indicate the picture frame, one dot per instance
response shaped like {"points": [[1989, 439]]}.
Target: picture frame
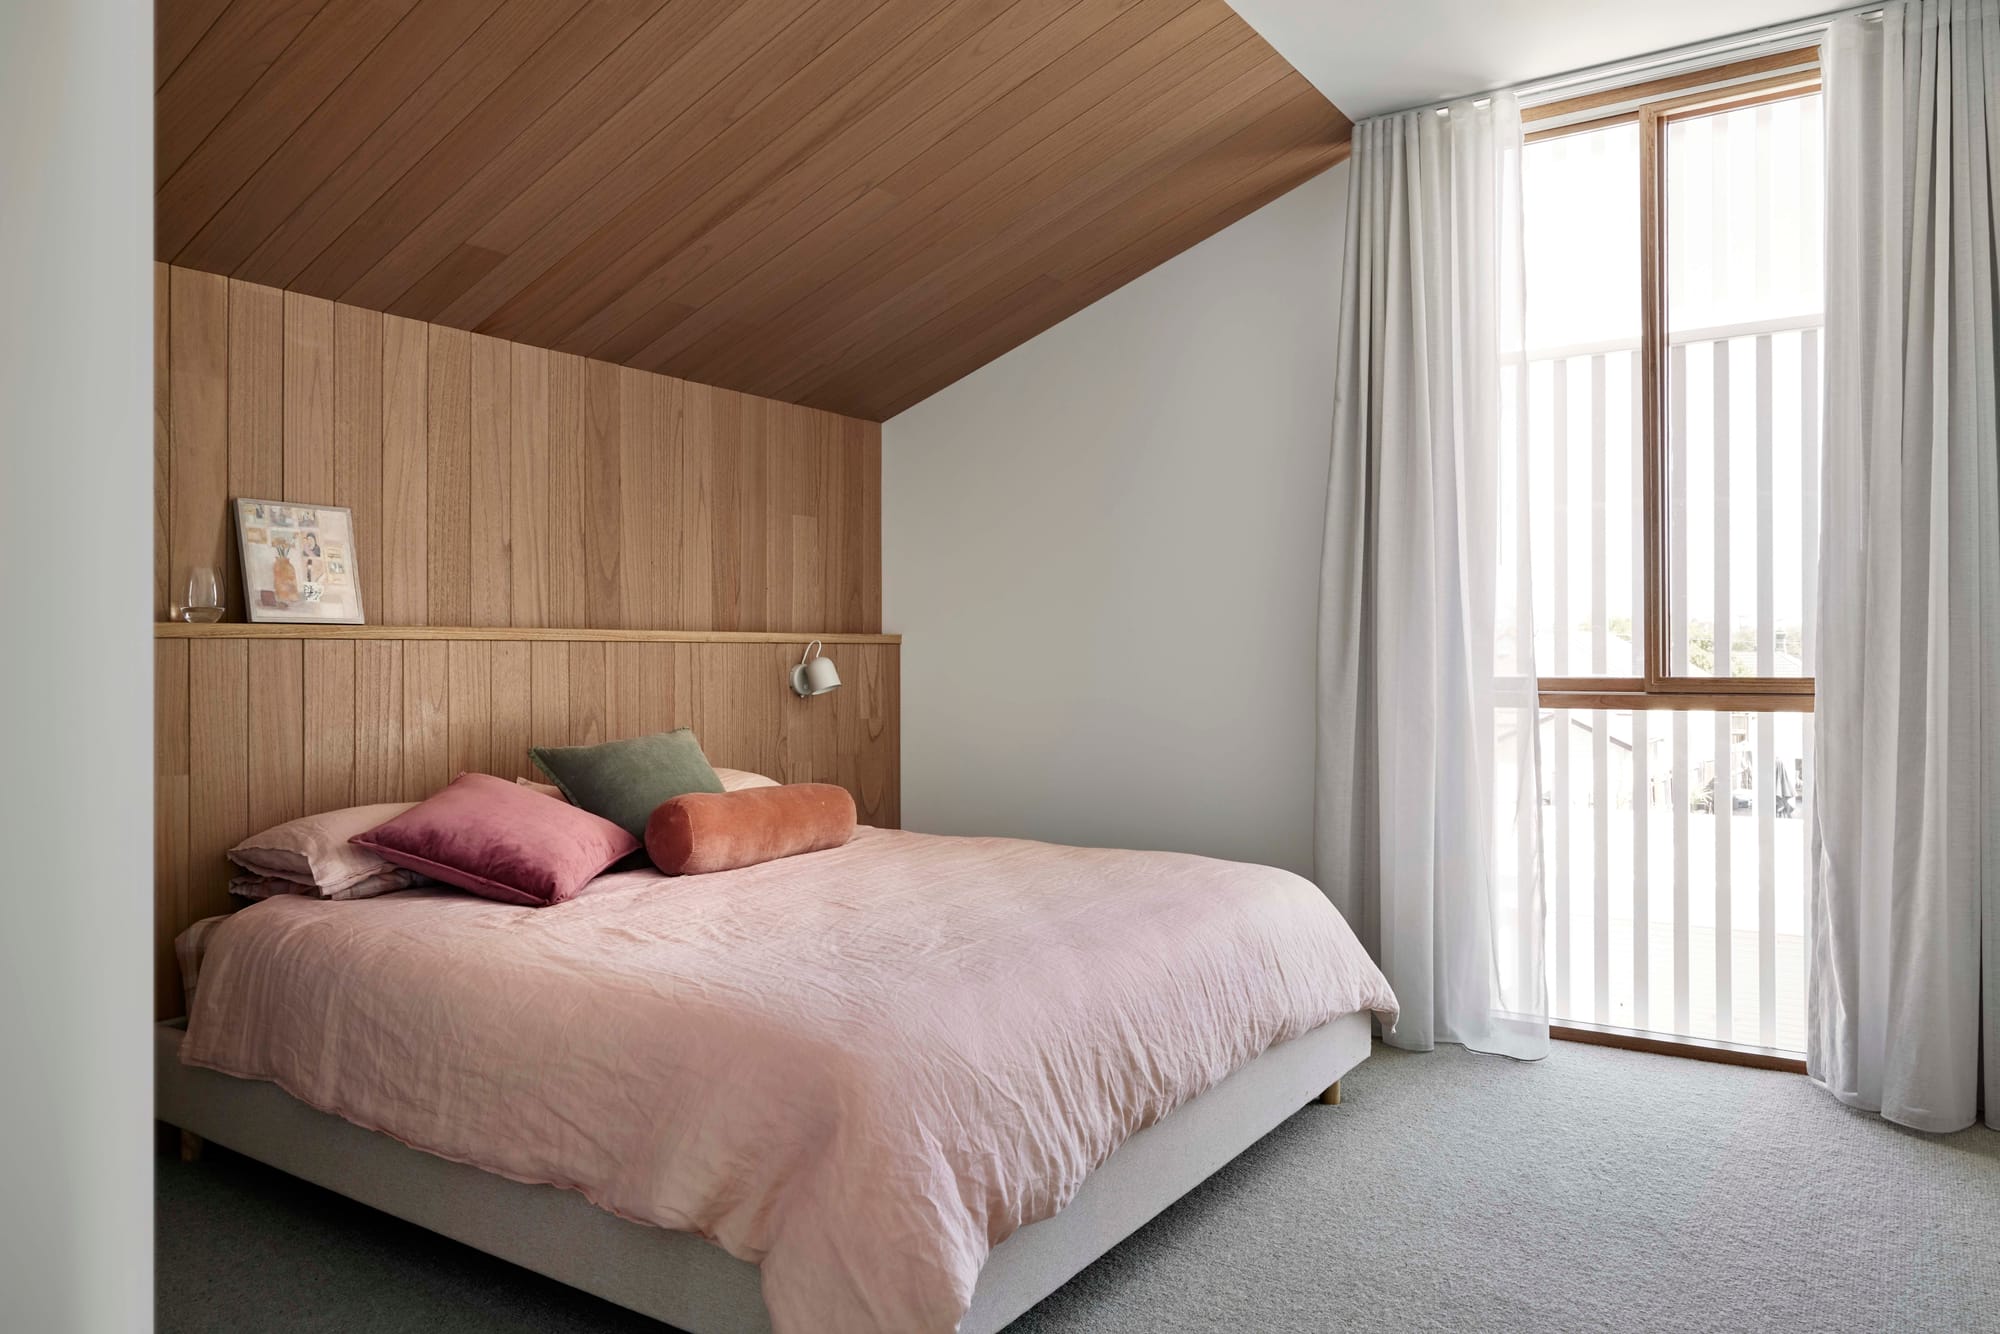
{"points": [[298, 562]]}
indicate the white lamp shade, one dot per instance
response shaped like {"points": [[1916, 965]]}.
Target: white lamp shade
{"points": [[815, 676]]}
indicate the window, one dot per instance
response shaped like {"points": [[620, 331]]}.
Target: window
{"points": [[1668, 401]]}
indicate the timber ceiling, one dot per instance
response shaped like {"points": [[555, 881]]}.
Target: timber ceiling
{"points": [[842, 203]]}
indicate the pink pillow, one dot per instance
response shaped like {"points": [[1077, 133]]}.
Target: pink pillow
{"points": [[313, 853], [501, 841], [386, 881]]}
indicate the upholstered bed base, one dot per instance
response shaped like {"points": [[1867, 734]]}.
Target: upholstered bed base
{"points": [[686, 1281]]}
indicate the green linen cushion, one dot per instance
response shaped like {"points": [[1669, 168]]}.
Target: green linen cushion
{"points": [[623, 781]]}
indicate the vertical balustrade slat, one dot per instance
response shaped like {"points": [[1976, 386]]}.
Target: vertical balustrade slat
{"points": [[1598, 615], [1559, 482], [1528, 724], [1765, 791], [1679, 632], [1767, 615], [1763, 785], [1723, 802], [1642, 915], [1600, 719], [1559, 637], [1722, 655], [1600, 813], [1638, 490], [1560, 744], [1681, 796]]}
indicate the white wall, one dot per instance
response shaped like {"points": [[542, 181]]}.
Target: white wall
{"points": [[1103, 552], [76, 664]]}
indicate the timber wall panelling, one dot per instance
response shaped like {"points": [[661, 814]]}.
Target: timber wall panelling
{"points": [[254, 731], [498, 484], [495, 487]]}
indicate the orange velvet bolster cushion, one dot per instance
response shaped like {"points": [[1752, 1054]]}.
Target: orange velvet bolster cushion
{"points": [[720, 831]]}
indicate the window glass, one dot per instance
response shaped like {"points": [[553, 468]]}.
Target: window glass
{"points": [[1744, 192], [1583, 385]]}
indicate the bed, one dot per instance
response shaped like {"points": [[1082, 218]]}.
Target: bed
{"points": [[911, 1083]]}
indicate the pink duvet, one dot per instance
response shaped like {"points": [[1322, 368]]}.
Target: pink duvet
{"points": [[861, 1069]]}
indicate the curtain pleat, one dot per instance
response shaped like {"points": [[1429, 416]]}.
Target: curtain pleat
{"points": [[1904, 1007], [1427, 834]]}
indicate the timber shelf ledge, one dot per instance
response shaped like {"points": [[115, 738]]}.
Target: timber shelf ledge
{"points": [[242, 630]]}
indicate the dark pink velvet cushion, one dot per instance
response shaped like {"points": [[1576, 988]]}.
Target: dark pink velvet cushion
{"points": [[501, 841]]}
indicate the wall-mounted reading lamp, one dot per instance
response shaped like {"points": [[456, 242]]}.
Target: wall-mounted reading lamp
{"points": [[815, 674]]}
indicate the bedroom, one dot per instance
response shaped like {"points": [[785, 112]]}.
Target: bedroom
{"points": [[1050, 666]]}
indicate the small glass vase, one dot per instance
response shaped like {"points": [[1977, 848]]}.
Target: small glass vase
{"points": [[204, 597]]}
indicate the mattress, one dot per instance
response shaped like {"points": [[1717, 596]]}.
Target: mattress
{"points": [[860, 1069]]}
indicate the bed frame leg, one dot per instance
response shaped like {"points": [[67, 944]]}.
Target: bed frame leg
{"points": [[190, 1147], [1331, 1097]]}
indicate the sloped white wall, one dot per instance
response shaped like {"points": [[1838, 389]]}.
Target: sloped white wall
{"points": [[1103, 550]]}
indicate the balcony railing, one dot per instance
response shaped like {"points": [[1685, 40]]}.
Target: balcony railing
{"points": [[1675, 848], [1675, 842]]}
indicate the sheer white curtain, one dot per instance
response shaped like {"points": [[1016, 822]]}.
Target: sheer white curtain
{"points": [[1428, 785], [1905, 990]]}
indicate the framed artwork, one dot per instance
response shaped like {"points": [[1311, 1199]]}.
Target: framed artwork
{"points": [[298, 562]]}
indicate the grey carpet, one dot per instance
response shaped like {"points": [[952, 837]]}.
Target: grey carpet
{"points": [[1597, 1190]]}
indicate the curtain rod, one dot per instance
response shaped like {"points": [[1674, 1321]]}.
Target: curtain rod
{"points": [[1772, 37]]}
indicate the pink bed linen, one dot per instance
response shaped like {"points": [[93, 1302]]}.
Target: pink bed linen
{"points": [[861, 1068]]}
